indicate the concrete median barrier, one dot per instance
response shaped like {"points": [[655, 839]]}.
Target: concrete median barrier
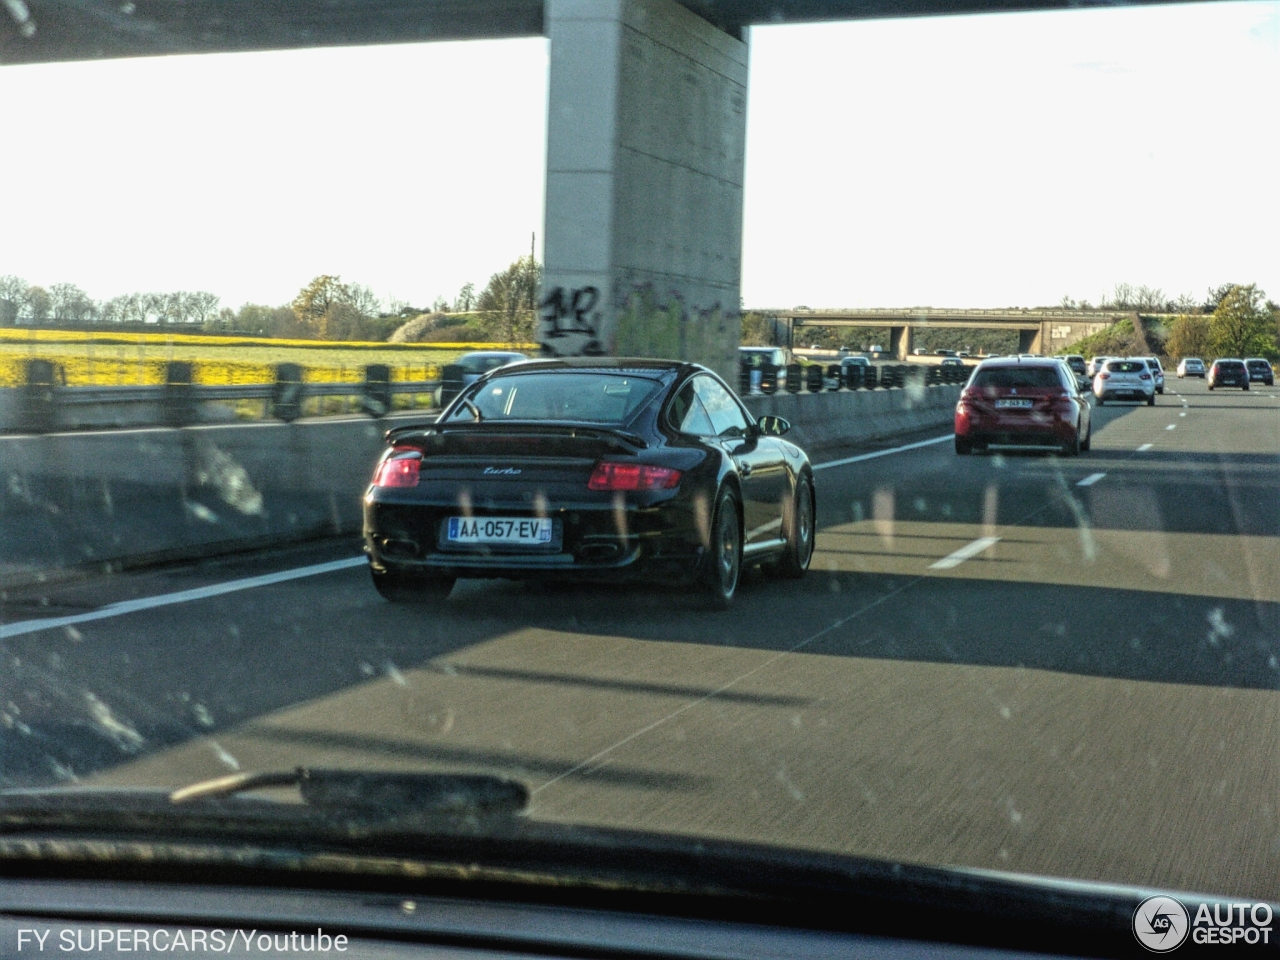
{"points": [[118, 498], [823, 421]]}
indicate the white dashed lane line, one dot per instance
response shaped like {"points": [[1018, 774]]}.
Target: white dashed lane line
{"points": [[1090, 480], [181, 596], [1171, 426], [964, 553], [1145, 447]]}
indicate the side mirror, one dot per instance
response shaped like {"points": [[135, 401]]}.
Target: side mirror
{"points": [[772, 426]]}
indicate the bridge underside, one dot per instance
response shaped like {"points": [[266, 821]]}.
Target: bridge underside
{"points": [[51, 30]]}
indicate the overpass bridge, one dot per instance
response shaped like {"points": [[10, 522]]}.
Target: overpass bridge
{"points": [[646, 132], [1039, 331]]}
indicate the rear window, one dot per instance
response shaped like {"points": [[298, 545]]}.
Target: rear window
{"points": [[1076, 363], [560, 395], [1127, 366], [1233, 365], [1006, 377], [1258, 365]]}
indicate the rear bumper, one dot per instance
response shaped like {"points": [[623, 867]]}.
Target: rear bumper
{"points": [[655, 542], [982, 428]]}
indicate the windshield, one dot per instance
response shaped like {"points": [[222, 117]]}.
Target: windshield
{"points": [[819, 604], [577, 397]]}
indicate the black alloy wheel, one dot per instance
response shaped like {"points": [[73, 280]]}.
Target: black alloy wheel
{"points": [[799, 532], [724, 555], [398, 587]]}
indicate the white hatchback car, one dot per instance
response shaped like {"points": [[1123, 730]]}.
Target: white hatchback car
{"points": [[1127, 379], [1191, 367]]}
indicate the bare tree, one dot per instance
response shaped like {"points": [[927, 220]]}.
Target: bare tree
{"points": [[68, 302]]}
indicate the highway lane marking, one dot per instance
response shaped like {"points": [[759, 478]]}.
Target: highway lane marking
{"points": [[1171, 426], [1145, 447], [966, 552], [1090, 480], [882, 453], [23, 627]]}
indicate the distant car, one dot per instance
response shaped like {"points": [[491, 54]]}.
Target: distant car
{"points": [[1022, 401], [1260, 371], [1128, 379], [1157, 372], [1080, 369], [963, 353], [1095, 366], [1190, 367], [470, 367], [920, 352], [755, 359], [1228, 372], [951, 362]]}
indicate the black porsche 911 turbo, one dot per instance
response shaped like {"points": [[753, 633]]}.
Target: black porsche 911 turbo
{"points": [[591, 468]]}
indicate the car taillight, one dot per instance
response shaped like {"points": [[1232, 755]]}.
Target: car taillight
{"points": [[398, 472], [1144, 376], [611, 475], [1105, 376]]}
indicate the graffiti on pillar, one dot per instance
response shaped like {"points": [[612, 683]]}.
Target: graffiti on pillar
{"points": [[569, 322]]}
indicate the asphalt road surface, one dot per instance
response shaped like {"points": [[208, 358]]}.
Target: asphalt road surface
{"points": [[1015, 661]]}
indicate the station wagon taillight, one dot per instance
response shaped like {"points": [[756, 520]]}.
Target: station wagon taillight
{"points": [[611, 475]]}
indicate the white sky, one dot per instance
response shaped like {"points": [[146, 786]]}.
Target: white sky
{"points": [[979, 161]]}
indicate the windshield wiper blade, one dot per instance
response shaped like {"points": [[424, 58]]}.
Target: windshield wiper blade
{"points": [[375, 791], [332, 799]]}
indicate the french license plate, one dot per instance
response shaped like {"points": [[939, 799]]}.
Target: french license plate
{"points": [[522, 531], [1013, 404]]}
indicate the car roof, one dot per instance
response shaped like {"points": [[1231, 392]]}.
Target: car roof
{"points": [[642, 365], [1021, 361], [483, 354]]}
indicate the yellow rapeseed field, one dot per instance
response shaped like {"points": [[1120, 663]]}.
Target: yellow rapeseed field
{"points": [[107, 358]]}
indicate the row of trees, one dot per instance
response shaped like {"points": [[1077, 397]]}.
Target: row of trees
{"points": [[1244, 323], [325, 309], [1144, 299]]}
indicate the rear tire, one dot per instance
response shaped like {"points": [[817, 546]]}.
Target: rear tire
{"points": [[1245, 388], [1102, 401], [1151, 400], [964, 446], [800, 533], [719, 581], [1087, 442], [1072, 447], [397, 587]]}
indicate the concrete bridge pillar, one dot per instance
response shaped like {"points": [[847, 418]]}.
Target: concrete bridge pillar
{"points": [[1032, 341], [900, 341], [646, 137]]}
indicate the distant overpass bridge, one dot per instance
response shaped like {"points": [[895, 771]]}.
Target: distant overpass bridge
{"points": [[1039, 331]]}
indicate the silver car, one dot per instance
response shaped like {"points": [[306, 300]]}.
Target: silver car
{"points": [[1128, 379], [1095, 365]]}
